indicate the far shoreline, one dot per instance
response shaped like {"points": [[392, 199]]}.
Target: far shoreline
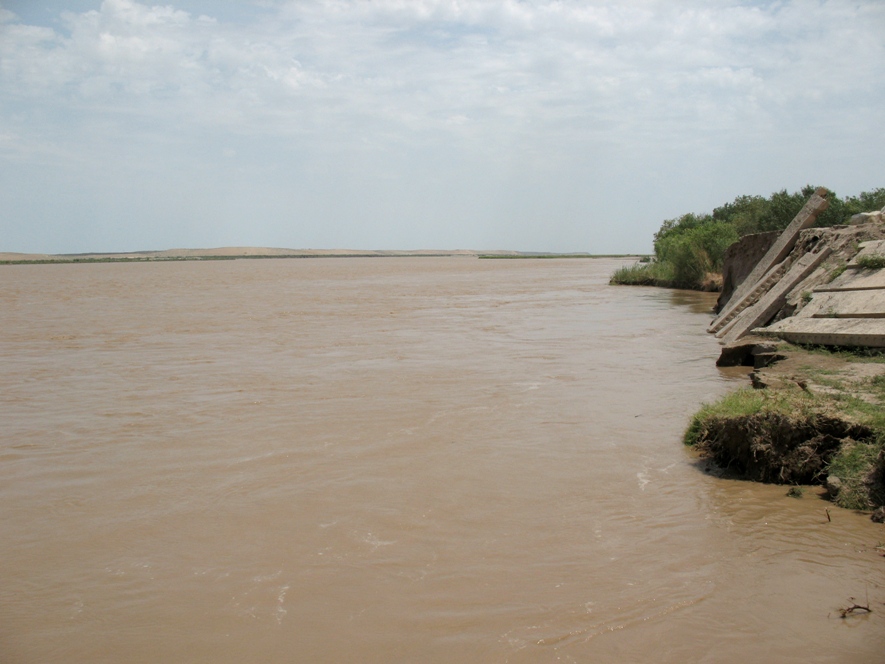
{"points": [[237, 253]]}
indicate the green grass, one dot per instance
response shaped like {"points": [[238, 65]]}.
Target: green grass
{"points": [[644, 274], [835, 273], [871, 262], [859, 461], [850, 353], [747, 402], [871, 414], [795, 401], [856, 465]]}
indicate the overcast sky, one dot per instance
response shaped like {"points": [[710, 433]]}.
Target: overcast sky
{"points": [[534, 125]]}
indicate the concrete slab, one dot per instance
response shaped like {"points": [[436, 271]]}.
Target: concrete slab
{"points": [[850, 304], [767, 306], [829, 331], [819, 302], [870, 248], [782, 246], [736, 306], [855, 279]]}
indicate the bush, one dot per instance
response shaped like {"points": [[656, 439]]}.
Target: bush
{"points": [[867, 201], [644, 274], [871, 262], [690, 247], [696, 251]]}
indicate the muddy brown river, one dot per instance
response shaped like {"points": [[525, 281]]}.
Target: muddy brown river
{"points": [[392, 460]]}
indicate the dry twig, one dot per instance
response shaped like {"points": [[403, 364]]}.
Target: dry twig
{"points": [[855, 608]]}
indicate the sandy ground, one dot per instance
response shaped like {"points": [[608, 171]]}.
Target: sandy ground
{"points": [[821, 372]]}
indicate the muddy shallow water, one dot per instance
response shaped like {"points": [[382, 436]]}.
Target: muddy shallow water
{"points": [[379, 460]]}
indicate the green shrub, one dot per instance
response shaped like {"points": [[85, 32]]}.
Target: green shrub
{"points": [[696, 250], [866, 201], [689, 247], [871, 262], [644, 274]]}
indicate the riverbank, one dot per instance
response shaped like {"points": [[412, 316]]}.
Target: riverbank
{"points": [[811, 417]]}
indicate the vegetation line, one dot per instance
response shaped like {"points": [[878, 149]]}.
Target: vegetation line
{"points": [[689, 249]]}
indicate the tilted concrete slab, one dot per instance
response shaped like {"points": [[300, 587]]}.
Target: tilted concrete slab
{"points": [[735, 307], [869, 250], [778, 251], [767, 306], [829, 331], [846, 304], [855, 279]]}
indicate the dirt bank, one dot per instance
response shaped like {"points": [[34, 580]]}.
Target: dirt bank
{"points": [[811, 417]]}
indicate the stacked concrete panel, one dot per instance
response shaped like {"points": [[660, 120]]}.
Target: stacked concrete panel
{"points": [[847, 311], [771, 267], [774, 299], [850, 311]]}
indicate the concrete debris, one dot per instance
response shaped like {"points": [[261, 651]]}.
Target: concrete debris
{"points": [[744, 293], [821, 286]]}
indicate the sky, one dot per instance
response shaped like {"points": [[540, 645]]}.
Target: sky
{"points": [[532, 125]]}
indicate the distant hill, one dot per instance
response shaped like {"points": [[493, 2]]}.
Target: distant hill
{"points": [[229, 253]]}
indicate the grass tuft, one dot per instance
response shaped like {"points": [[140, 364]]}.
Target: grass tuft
{"points": [[860, 465], [641, 273], [789, 435], [872, 262], [835, 273]]}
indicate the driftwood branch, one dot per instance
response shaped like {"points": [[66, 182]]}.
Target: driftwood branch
{"points": [[855, 608]]}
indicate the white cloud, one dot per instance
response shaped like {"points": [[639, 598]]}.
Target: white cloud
{"points": [[540, 89], [401, 62]]}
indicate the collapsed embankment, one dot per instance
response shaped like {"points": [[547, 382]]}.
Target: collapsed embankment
{"points": [[769, 445], [807, 421], [814, 415]]}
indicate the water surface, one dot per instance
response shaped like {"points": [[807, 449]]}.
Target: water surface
{"points": [[391, 460]]}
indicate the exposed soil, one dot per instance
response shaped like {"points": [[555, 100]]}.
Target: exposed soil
{"points": [[797, 447], [769, 447], [817, 372], [778, 364]]}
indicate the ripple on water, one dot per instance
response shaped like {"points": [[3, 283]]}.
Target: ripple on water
{"points": [[391, 460]]}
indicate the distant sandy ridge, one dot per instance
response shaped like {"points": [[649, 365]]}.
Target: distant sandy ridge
{"points": [[234, 252]]}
